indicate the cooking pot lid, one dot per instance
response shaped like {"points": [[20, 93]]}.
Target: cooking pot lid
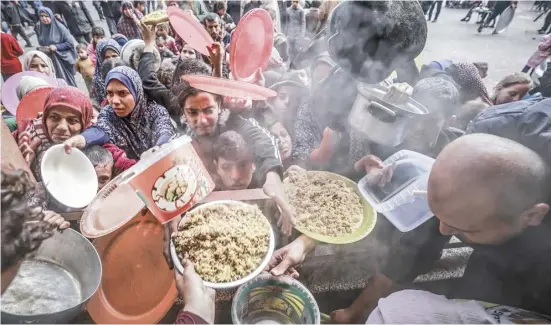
{"points": [[112, 208], [137, 286], [376, 93]]}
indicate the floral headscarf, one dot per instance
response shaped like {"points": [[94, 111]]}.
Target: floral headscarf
{"points": [[99, 83], [147, 126]]}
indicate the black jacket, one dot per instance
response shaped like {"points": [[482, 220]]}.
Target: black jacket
{"points": [[12, 14], [152, 87], [78, 18], [527, 122], [111, 9]]}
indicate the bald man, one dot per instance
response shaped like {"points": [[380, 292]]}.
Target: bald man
{"points": [[490, 192]]}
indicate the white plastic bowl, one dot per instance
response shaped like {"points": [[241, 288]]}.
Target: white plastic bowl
{"points": [[236, 283], [69, 178]]}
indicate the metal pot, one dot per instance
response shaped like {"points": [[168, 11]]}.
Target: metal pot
{"points": [[69, 252], [381, 121]]}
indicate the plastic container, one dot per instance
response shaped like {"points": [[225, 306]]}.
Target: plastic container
{"points": [[403, 199], [171, 181]]}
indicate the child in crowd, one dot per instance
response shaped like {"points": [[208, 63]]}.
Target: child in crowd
{"points": [[108, 161], [85, 66], [234, 162], [163, 49], [221, 7], [285, 144], [163, 31], [98, 34]]}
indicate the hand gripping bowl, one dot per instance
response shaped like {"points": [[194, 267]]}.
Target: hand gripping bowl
{"points": [[270, 300], [236, 283], [56, 282]]}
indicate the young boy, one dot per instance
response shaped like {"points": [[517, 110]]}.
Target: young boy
{"points": [[163, 49], [163, 30], [98, 34], [221, 7], [234, 162], [85, 66]]}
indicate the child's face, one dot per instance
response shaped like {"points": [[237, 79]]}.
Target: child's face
{"points": [[161, 31], [221, 12], [188, 52], [161, 46], [294, 3], [97, 39], [285, 143], [235, 174], [82, 54]]}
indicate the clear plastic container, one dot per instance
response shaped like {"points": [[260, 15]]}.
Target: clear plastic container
{"points": [[402, 200]]}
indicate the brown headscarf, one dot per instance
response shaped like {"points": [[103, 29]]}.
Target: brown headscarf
{"points": [[468, 78]]}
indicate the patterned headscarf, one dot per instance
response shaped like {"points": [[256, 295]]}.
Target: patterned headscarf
{"points": [[126, 25], [99, 83], [468, 78], [145, 127], [36, 133]]}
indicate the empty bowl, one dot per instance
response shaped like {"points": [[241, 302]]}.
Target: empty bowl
{"points": [[69, 178]]}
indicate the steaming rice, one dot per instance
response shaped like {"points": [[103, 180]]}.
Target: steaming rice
{"points": [[323, 205], [225, 242]]}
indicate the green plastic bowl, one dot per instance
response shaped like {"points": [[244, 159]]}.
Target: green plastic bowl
{"points": [[270, 300]]}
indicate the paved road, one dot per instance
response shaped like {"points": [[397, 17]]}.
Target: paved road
{"points": [[451, 39]]}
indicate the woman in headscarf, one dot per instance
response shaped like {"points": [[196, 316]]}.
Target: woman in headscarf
{"points": [[39, 62], [60, 44], [467, 76], [67, 114], [106, 49], [129, 24], [131, 121]]}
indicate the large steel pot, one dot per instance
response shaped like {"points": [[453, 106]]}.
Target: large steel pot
{"points": [[381, 121], [73, 253]]}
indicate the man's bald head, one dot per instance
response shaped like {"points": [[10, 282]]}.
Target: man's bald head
{"points": [[481, 177]]}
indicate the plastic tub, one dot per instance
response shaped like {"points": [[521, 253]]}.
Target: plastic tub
{"points": [[402, 200]]}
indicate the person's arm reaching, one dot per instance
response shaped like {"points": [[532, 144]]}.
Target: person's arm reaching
{"points": [[153, 88], [199, 306], [90, 136], [285, 259]]}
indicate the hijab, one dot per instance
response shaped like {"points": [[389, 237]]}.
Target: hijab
{"points": [[55, 33], [36, 133], [468, 78], [101, 48], [144, 127], [126, 25], [29, 56]]}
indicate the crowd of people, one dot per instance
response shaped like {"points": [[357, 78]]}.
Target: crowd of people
{"points": [[490, 185]]}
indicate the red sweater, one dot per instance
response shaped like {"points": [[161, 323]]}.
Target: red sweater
{"points": [[10, 53]]}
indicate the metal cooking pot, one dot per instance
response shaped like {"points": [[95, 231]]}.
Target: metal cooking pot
{"points": [[381, 121], [73, 253]]}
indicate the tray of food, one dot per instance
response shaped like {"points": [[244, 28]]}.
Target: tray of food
{"points": [[156, 17], [228, 242], [329, 207]]}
